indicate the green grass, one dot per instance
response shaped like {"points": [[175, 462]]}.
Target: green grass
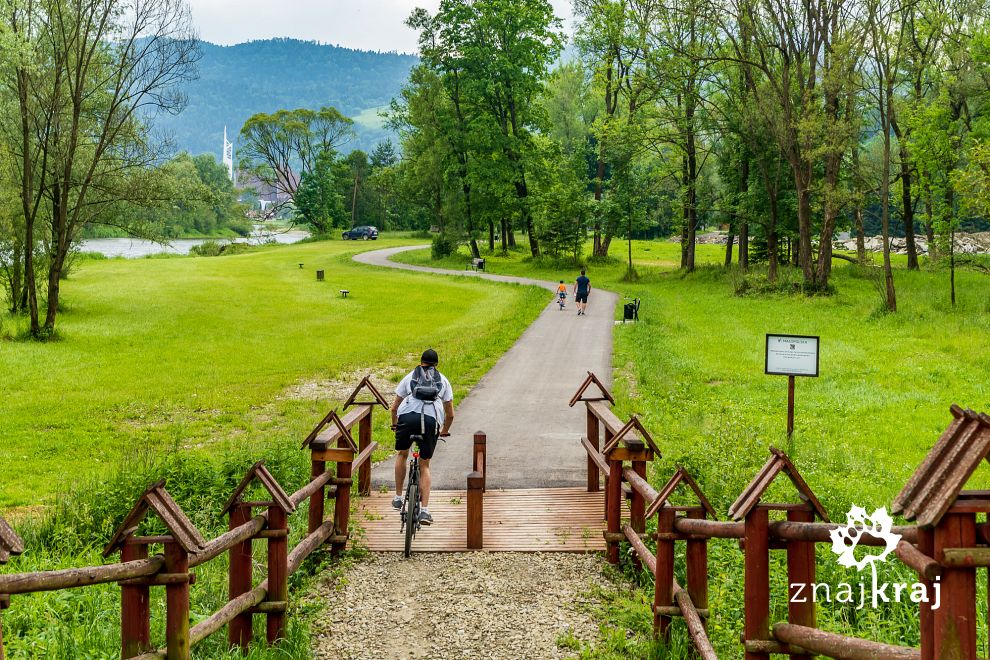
{"points": [[204, 354], [693, 370]]}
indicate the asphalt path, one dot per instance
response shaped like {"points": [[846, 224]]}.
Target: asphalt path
{"points": [[521, 403]]}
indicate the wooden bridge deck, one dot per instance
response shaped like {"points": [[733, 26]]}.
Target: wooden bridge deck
{"points": [[523, 520]]}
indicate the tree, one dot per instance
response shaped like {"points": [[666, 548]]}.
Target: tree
{"points": [[96, 71], [318, 201], [279, 148]]}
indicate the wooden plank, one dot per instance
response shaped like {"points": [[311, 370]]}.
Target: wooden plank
{"points": [[524, 520]]}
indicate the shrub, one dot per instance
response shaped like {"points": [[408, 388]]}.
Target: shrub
{"points": [[443, 246]]}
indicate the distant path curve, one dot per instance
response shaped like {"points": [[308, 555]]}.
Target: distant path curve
{"points": [[521, 403]]}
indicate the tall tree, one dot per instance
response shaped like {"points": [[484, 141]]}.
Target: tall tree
{"points": [[97, 70]]}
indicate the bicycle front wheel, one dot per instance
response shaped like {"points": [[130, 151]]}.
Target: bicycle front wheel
{"points": [[412, 497]]}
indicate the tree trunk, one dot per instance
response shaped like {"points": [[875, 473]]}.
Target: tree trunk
{"points": [[743, 224], [728, 248], [907, 211], [505, 235], [802, 256], [888, 274], [512, 235], [491, 235], [599, 184]]}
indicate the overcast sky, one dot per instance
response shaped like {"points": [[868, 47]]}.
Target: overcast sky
{"points": [[363, 24]]}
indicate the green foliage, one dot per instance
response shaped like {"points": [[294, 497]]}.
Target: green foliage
{"points": [[443, 246], [318, 202]]}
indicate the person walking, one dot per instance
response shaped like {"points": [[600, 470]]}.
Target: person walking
{"points": [[423, 407], [582, 287]]}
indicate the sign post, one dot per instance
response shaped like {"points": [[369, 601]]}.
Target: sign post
{"points": [[791, 356]]}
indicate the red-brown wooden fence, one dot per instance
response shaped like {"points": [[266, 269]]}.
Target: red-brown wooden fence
{"points": [[947, 544], [184, 548]]}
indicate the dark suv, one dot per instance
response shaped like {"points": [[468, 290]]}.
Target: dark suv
{"points": [[362, 233]]}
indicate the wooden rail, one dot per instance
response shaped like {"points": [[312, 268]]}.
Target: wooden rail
{"points": [[947, 547], [184, 548], [476, 493]]}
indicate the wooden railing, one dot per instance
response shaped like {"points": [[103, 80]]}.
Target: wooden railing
{"points": [[183, 548], [476, 493], [944, 547]]}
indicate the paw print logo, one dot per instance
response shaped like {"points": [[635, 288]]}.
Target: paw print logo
{"points": [[845, 539]]}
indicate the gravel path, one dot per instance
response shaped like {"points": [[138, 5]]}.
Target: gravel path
{"points": [[466, 605]]}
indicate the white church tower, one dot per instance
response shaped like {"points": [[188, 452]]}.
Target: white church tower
{"points": [[228, 156]]}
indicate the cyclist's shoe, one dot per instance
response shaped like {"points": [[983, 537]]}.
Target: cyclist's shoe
{"points": [[425, 518], [397, 502]]}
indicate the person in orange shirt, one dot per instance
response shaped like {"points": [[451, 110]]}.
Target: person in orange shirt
{"points": [[561, 293]]}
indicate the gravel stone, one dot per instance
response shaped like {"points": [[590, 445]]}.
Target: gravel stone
{"points": [[459, 605]]}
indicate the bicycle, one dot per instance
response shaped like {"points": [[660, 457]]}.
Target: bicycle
{"points": [[412, 505], [561, 299]]}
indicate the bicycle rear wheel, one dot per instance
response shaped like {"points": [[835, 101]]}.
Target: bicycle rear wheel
{"points": [[412, 497]]}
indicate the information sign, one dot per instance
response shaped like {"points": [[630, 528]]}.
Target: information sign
{"points": [[791, 355]]}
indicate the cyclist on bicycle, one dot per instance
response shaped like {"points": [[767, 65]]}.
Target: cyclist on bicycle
{"points": [[423, 406]]}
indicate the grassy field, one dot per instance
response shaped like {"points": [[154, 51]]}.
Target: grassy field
{"points": [[693, 369], [191, 369], [208, 354]]}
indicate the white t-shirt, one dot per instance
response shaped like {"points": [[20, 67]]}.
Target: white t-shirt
{"points": [[432, 408]]}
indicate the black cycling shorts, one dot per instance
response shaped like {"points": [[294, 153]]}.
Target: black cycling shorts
{"points": [[581, 297], [408, 426]]}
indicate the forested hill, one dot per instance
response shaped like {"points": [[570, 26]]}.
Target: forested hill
{"points": [[262, 76]]}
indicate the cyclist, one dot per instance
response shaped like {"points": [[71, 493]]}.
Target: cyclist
{"points": [[561, 293], [423, 406]]}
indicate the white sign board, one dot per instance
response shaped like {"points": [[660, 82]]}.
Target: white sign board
{"points": [[792, 355]]}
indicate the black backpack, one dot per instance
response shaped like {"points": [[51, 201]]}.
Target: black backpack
{"points": [[426, 384]]}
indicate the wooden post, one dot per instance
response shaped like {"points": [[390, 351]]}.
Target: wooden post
{"points": [[613, 509], [4, 604], [239, 631], [135, 608], [318, 499], [663, 583], [790, 406], [278, 571], [926, 617], [342, 504], [480, 461], [955, 620], [593, 476], [608, 438], [801, 570], [475, 512], [756, 625], [637, 508], [177, 604], [697, 568], [364, 439]]}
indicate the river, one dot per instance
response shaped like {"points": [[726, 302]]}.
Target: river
{"points": [[133, 248]]}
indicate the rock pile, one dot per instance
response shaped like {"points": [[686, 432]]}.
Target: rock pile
{"points": [[976, 243]]}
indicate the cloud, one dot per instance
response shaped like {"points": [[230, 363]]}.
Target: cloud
{"points": [[365, 24]]}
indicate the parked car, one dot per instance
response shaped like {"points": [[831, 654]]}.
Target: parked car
{"points": [[362, 233]]}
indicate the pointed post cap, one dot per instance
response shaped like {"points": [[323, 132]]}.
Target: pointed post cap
{"points": [[340, 432], [10, 542], [603, 393], [778, 462], [627, 432], [366, 384], [158, 501], [258, 472], [681, 476]]}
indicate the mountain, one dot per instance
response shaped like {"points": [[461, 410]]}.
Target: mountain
{"points": [[263, 76]]}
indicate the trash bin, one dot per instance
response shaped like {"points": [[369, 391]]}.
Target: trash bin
{"points": [[629, 312], [481, 264]]}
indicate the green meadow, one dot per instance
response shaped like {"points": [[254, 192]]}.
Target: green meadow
{"points": [[204, 356], [692, 368]]}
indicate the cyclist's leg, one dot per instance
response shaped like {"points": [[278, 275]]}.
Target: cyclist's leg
{"points": [[401, 459], [424, 480]]}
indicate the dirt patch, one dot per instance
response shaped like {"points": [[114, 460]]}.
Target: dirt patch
{"points": [[340, 387], [467, 605]]}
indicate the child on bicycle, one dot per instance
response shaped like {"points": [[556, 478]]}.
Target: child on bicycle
{"points": [[561, 293]]}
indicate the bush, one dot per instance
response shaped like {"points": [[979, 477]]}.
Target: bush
{"points": [[443, 246], [218, 249]]}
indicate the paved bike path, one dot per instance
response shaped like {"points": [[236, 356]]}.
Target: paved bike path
{"points": [[521, 403]]}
